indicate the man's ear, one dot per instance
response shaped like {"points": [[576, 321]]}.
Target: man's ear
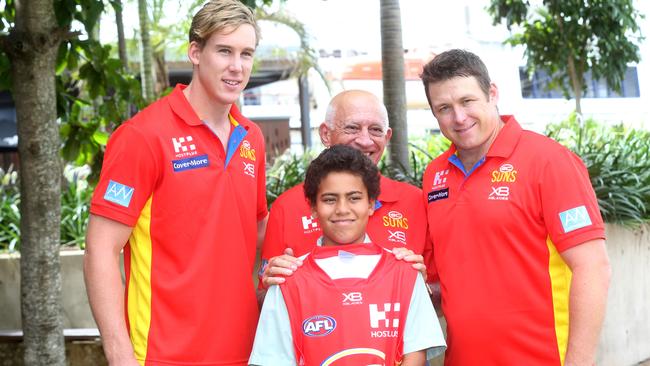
{"points": [[324, 132], [314, 214], [193, 52]]}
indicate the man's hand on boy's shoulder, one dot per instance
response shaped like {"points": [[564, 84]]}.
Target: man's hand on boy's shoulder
{"points": [[409, 256], [280, 267]]}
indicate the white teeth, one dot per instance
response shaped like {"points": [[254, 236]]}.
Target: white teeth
{"points": [[231, 82]]}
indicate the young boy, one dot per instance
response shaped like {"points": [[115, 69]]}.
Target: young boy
{"points": [[352, 302]]}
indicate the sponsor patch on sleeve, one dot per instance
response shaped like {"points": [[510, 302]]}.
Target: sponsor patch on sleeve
{"points": [[440, 194], [575, 218], [119, 193]]}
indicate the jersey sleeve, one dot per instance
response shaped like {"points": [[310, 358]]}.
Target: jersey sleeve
{"points": [[422, 330], [273, 343], [569, 205], [262, 209], [128, 176]]}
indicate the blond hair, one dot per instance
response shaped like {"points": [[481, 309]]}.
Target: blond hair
{"points": [[217, 15]]}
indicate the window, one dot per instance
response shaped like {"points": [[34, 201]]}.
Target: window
{"points": [[535, 87]]}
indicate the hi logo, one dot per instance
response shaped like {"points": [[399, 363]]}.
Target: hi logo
{"points": [[246, 152], [440, 178], [575, 218], [381, 318], [506, 173], [500, 193], [183, 146], [309, 224], [118, 193], [395, 219], [352, 298], [249, 169], [318, 326]]}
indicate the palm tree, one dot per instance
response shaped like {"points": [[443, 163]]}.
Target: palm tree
{"points": [[147, 54], [392, 60]]}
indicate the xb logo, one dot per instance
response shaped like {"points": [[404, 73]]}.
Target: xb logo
{"points": [[352, 298], [249, 169]]}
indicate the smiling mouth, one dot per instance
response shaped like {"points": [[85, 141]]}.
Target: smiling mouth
{"points": [[232, 82], [461, 130]]}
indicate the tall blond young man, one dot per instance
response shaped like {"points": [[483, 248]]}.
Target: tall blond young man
{"points": [[358, 119], [517, 234], [182, 191]]}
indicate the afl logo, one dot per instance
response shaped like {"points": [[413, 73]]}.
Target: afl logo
{"points": [[506, 168], [318, 326]]}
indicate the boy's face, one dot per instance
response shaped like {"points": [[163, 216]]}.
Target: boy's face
{"points": [[342, 208], [223, 65]]}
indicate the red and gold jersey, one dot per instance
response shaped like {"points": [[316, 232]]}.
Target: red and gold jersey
{"points": [[194, 206], [349, 321], [496, 235], [399, 220]]}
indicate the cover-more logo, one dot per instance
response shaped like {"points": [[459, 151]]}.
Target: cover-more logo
{"points": [[183, 146]]}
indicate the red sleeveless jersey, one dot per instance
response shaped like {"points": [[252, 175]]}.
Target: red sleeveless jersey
{"points": [[349, 321]]}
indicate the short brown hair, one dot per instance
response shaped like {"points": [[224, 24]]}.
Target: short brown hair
{"points": [[455, 63], [217, 15]]}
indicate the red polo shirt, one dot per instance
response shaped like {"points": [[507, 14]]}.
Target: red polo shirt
{"points": [[399, 220], [194, 206], [496, 234]]}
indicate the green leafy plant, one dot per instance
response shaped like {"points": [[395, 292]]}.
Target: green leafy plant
{"points": [[422, 151], [9, 210], [618, 161], [75, 204], [287, 171]]}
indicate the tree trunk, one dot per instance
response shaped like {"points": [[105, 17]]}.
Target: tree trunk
{"points": [[392, 61], [146, 69], [33, 50], [576, 85], [121, 41], [303, 99]]}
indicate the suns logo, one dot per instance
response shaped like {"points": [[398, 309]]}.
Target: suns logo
{"points": [[246, 152], [506, 173], [395, 219]]}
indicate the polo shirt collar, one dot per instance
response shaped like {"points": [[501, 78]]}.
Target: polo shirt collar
{"points": [[182, 107], [508, 137]]}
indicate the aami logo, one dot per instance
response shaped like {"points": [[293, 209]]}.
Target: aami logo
{"points": [[500, 193], [506, 173], [183, 146], [440, 178], [397, 236], [249, 169], [318, 326], [352, 298], [575, 218], [395, 219], [309, 224], [118, 193], [246, 152]]}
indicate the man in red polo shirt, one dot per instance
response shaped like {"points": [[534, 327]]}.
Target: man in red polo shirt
{"points": [[182, 190], [517, 234], [358, 119]]}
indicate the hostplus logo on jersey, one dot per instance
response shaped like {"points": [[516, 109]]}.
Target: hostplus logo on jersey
{"points": [[187, 157], [440, 179], [246, 152], [309, 224], [318, 326], [352, 298], [387, 318]]}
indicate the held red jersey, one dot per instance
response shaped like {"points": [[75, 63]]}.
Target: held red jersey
{"points": [[194, 205], [497, 233], [399, 220], [349, 321]]}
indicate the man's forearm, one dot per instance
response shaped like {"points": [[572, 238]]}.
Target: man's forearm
{"points": [[106, 297], [587, 304]]}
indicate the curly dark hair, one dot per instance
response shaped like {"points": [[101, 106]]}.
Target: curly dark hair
{"points": [[454, 63], [341, 158]]}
